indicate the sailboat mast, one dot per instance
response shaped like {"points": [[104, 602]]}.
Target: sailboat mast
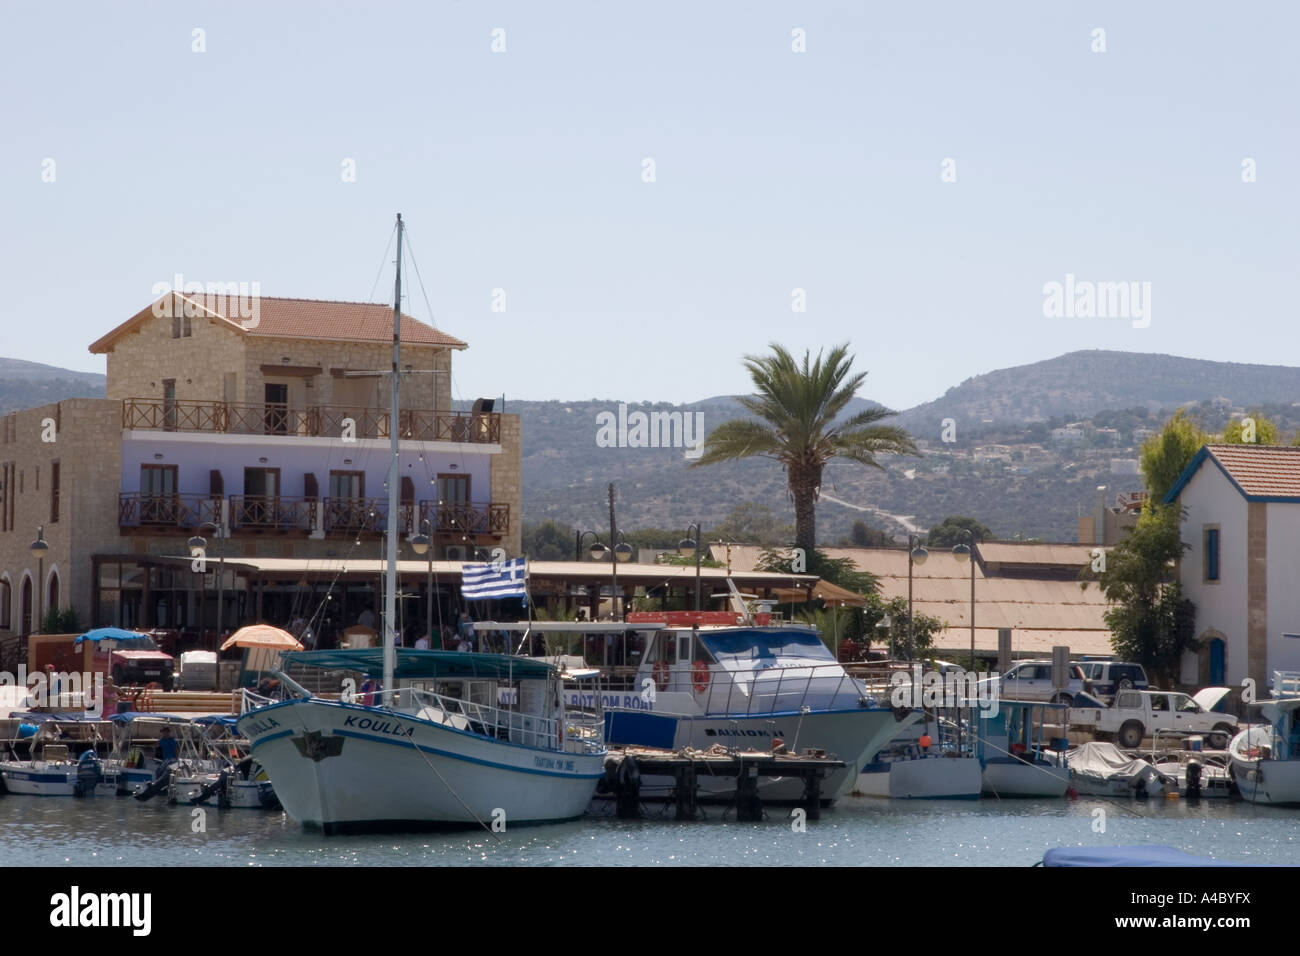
{"points": [[390, 577]]}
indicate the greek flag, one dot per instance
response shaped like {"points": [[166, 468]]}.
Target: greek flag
{"points": [[498, 579]]}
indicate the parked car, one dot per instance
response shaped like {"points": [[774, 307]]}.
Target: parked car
{"points": [[1108, 677], [1032, 680], [1135, 714], [137, 660]]}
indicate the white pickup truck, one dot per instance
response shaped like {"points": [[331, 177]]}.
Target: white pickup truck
{"points": [[1135, 714]]}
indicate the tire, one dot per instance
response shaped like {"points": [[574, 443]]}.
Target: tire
{"points": [[1220, 737], [1124, 683], [1130, 735], [1063, 698]]}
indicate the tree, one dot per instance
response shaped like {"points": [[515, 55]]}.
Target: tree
{"points": [[1165, 455], [838, 571], [924, 627], [1149, 619], [753, 523], [548, 541], [949, 531], [1265, 431], [796, 411], [865, 536]]}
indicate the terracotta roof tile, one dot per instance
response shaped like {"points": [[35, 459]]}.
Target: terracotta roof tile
{"points": [[304, 319], [1265, 471]]}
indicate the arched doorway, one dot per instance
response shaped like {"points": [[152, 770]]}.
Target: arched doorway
{"points": [[1218, 661], [52, 593], [25, 616], [6, 605]]}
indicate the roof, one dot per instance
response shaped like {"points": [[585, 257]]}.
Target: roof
{"points": [[1258, 472], [293, 319], [425, 664]]}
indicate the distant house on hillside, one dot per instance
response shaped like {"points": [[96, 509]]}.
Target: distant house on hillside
{"points": [[1243, 524]]}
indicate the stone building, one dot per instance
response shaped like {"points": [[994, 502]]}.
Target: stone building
{"points": [[263, 427]]}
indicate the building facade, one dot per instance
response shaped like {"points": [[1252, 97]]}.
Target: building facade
{"points": [[267, 435]]}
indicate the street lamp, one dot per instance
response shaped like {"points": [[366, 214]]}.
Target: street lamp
{"points": [[966, 552], [38, 548], [915, 555], [422, 543], [690, 547], [199, 542]]}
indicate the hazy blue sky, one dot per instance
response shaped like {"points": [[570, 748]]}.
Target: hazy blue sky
{"points": [[774, 170]]}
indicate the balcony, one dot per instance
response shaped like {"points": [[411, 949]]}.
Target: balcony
{"points": [[263, 513], [252, 514], [229, 418], [476, 517]]}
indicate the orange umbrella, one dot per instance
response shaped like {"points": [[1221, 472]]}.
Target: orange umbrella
{"points": [[263, 635]]}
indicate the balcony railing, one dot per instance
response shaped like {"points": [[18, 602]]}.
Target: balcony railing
{"points": [[308, 421], [469, 517], [272, 513], [252, 513], [166, 511]]}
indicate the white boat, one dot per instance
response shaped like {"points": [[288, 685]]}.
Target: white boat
{"points": [[442, 755], [1012, 747], [1197, 773], [1099, 769], [1265, 760], [51, 770], [699, 683], [931, 767]]}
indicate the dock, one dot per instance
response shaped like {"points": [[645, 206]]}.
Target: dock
{"points": [[625, 766]]}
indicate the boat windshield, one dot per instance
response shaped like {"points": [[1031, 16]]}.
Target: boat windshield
{"points": [[746, 645]]}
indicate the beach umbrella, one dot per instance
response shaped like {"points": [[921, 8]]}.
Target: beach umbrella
{"points": [[109, 634], [263, 635]]}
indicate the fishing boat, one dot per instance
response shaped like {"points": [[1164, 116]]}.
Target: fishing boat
{"points": [[1012, 745], [695, 679], [925, 762], [1265, 760], [241, 783], [51, 769], [436, 748]]}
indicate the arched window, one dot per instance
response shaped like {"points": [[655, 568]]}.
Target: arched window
{"points": [[51, 594], [6, 608], [25, 622]]}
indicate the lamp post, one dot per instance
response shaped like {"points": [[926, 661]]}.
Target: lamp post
{"points": [[39, 548], [422, 543], [966, 552], [199, 542], [693, 547], [915, 555]]}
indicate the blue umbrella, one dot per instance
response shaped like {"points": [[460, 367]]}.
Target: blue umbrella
{"points": [[107, 634]]}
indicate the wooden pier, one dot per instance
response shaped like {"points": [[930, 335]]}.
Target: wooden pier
{"points": [[624, 768]]}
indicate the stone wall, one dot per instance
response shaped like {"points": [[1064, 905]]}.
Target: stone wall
{"points": [[507, 481]]}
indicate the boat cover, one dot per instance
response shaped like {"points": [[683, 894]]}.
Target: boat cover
{"points": [[1105, 761], [1127, 856]]}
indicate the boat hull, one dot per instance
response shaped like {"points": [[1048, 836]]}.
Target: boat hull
{"points": [[1018, 779], [39, 780], [1273, 782], [930, 778], [345, 767]]}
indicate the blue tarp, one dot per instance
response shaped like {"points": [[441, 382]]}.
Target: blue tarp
{"points": [[109, 634], [1127, 856], [127, 716]]}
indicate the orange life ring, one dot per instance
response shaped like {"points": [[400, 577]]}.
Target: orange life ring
{"points": [[661, 675], [700, 677]]}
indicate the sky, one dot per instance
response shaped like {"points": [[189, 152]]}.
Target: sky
{"points": [[621, 201]]}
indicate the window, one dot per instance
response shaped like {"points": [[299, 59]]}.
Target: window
{"points": [[54, 492], [181, 328], [1212, 554]]}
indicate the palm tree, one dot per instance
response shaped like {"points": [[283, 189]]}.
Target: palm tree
{"points": [[796, 407]]}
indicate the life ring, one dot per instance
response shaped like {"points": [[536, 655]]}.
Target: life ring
{"points": [[700, 677], [661, 675]]}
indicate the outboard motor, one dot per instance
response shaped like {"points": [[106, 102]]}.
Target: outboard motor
{"points": [[89, 773], [1193, 779]]}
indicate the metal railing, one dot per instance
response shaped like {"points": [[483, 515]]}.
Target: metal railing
{"points": [[577, 734], [777, 689], [278, 418]]}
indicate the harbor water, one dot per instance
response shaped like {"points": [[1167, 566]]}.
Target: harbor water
{"points": [[858, 831]]}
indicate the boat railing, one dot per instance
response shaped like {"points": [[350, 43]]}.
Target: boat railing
{"points": [[581, 734]]}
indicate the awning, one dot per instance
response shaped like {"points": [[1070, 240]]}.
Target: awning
{"points": [[413, 664], [832, 594]]}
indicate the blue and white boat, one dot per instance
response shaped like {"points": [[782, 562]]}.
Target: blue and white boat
{"points": [[741, 685], [443, 753], [1011, 745], [1265, 760]]}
